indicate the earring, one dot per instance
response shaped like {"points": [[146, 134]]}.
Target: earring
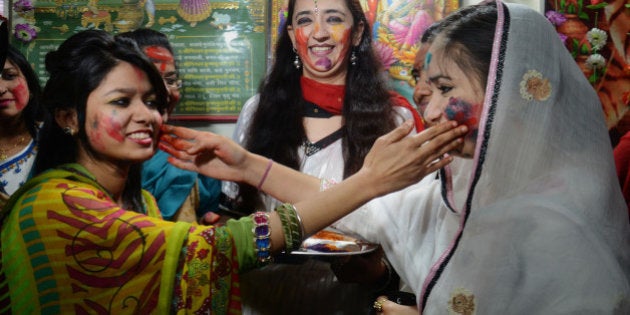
{"points": [[353, 58], [68, 130], [297, 63]]}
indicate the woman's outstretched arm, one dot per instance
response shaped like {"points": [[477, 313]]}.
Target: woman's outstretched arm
{"points": [[394, 162]]}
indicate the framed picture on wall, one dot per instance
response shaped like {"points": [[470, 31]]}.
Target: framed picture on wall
{"points": [[219, 45]]}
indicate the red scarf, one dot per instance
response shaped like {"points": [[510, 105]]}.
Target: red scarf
{"points": [[330, 97], [327, 96]]}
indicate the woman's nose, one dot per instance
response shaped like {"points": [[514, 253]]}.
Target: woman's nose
{"points": [[421, 92], [433, 114], [320, 32], [144, 113]]}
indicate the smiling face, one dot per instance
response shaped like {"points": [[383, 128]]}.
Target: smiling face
{"points": [[122, 120], [454, 96], [14, 93], [321, 32]]}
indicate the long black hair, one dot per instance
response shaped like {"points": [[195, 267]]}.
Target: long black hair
{"points": [[34, 113], [76, 69], [277, 130]]}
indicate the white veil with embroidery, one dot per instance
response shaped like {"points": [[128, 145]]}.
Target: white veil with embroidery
{"points": [[535, 223]]}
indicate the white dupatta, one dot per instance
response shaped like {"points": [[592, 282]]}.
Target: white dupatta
{"points": [[535, 223]]}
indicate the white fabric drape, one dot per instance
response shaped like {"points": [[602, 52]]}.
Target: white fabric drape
{"points": [[536, 223]]}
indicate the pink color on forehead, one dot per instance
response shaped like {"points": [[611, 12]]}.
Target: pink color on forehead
{"points": [[160, 56]]}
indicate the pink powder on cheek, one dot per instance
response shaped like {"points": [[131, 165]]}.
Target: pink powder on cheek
{"points": [[302, 46], [95, 136], [21, 94], [112, 127], [463, 112], [175, 97]]}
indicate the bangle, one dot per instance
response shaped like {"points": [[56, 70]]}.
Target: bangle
{"points": [[291, 226], [262, 180], [299, 221], [262, 234]]}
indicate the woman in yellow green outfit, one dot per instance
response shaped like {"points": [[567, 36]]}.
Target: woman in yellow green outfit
{"points": [[83, 237]]}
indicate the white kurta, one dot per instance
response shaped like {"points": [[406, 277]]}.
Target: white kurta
{"points": [[309, 287]]}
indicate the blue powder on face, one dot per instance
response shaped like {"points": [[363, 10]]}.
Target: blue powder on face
{"points": [[427, 60]]}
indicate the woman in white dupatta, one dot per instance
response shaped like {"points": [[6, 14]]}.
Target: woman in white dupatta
{"points": [[534, 221]]}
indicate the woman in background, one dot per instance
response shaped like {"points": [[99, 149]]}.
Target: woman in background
{"points": [[181, 195], [20, 118], [318, 111]]}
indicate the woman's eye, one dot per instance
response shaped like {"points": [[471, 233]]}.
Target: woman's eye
{"points": [[334, 20], [9, 75], [120, 102], [303, 20], [415, 74], [152, 103], [445, 89]]}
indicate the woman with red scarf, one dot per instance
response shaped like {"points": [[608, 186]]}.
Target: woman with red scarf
{"points": [[319, 111]]}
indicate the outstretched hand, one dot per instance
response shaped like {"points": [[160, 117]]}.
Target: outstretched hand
{"points": [[206, 153], [399, 161]]}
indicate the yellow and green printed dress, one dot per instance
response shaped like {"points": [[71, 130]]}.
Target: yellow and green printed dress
{"points": [[68, 248]]}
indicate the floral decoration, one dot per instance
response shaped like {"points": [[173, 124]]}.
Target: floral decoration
{"points": [[534, 86], [595, 32], [25, 32], [462, 302], [589, 44], [22, 6], [24, 21]]}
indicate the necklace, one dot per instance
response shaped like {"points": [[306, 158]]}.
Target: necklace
{"points": [[4, 153]]}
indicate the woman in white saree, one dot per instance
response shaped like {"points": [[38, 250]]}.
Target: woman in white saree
{"points": [[533, 222]]}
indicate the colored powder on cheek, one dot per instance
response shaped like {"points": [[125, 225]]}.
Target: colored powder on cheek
{"points": [[95, 136], [175, 97], [427, 60], [302, 46], [113, 128], [340, 34], [462, 112], [21, 94], [301, 40]]}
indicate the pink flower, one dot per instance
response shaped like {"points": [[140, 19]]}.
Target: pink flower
{"points": [[25, 32], [563, 38], [555, 18], [23, 6]]}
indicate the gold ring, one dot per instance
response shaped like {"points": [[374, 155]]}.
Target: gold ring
{"points": [[378, 306]]}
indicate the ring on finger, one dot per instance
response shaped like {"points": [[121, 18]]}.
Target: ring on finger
{"points": [[378, 305]]}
